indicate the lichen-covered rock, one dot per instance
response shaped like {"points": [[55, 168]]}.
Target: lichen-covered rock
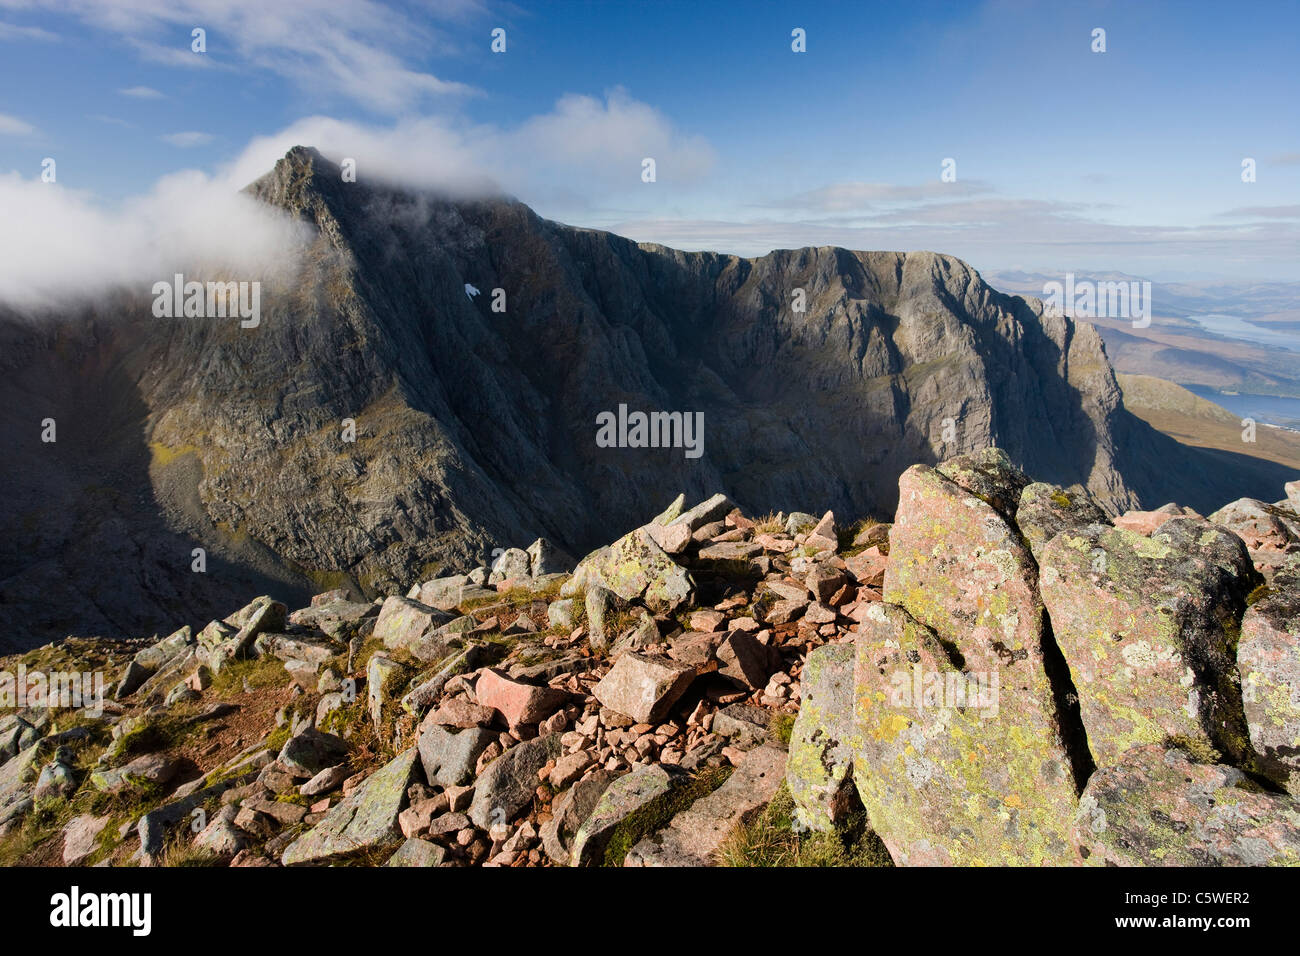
{"points": [[417, 853], [1047, 510], [956, 765], [545, 558], [632, 793], [511, 564], [714, 508], [385, 678], [1268, 660], [445, 594], [409, 626], [310, 751], [1156, 807], [957, 566], [695, 835], [568, 813], [1148, 626], [636, 569], [989, 475], [363, 821], [819, 772]]}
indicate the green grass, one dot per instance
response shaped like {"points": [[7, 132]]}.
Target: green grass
{"points": [[782, 726], [771, 840], [256, 673]]}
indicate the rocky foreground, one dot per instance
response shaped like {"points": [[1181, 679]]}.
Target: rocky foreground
{"points": [[1002, 676]]}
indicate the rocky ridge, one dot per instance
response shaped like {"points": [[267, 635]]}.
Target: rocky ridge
{"points": [[475, 428], [1001, 675]]}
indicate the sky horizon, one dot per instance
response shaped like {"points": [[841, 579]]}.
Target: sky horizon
{"points": [[1058, 157]]}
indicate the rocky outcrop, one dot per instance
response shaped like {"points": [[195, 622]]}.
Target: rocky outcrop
{"points": [[1149, 627], [1159, 807], [1033, 694]]}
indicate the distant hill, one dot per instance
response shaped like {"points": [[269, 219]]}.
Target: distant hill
{"points": [[1196, 421]]}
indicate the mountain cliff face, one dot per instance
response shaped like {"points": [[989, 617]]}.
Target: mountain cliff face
{"points": [[476, 429]]}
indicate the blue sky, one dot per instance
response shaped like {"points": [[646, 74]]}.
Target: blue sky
{"points": [[1066, 159]]}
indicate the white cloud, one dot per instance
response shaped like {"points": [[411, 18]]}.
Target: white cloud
{"points": [[58, 244], [11, 31], [187, 139], [13, 126], [354, 49], [584, 147], [141, 93]]}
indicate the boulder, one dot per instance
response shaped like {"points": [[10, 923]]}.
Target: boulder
{"points": [[643, 687], [1155, 806], [449, 755], [519, 703], [408, 626], [511, 564], [365, 820], [441, 593], [569, 812], [545, 558], [1047, 510], [1147, 626], [955, 764], [1268, 661], [990, 476], [81, 838], [714, 508], [695, 835], [819, 772], [637, 792], [1270, 532], [636, 569], [507, 785], [600, 604], [222, 837], [310, 751], [385, 678], [744, 659], [417, 853]]}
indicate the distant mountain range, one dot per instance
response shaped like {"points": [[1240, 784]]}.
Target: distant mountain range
{"points": [[821, 375]]}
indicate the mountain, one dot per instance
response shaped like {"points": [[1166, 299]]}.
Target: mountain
{"points": [[476, 429]]}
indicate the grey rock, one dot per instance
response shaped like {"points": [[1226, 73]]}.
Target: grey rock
{"points": [[449, 754], [569, 812], [506, 785], [417, 853], [309, 752], [365, 820]]}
